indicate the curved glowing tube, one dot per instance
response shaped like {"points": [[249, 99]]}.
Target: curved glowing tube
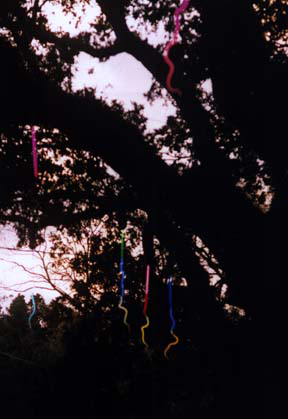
{"points": [[142, 331], [171, 70], [181, 9], [173, 322], [125, 311], [170, 44], [33, 311], [34, 152], [171, 344], [145, 306]]}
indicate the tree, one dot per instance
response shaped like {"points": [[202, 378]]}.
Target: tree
{"points": [[232, 152]]}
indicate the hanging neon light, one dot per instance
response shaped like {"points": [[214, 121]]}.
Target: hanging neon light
{"points": [[170, 44], [122, 275], [173, 322], [34, 152], [33, 311], [145, 305]]}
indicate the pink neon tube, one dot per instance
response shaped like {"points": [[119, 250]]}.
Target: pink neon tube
{"points": [[146, 288], [170, 44]]}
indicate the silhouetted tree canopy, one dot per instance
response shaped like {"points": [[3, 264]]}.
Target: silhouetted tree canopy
{"points": [[231, 195]]}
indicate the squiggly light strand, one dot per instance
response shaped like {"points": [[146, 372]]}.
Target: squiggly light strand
{"points": [[171, 70], [122, 274], [145, 306], [170, 44], [171, 344], [34, 152], [33, 311], [125, 311], [173, 322], [143, 333]]}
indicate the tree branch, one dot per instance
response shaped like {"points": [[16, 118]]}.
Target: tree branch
{"points": [[74, 45], [46, 278], [27, 289], [130, 156]]}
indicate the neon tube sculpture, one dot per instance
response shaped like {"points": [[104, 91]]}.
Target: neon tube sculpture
{"points": [[170, 44], [122, 274], [173, 322], [145, 306], [33, 311]]}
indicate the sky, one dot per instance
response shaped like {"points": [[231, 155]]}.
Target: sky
{"points": [[122, 78]]}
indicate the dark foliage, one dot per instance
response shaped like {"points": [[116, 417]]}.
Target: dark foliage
{"points": [[79, 360]]}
